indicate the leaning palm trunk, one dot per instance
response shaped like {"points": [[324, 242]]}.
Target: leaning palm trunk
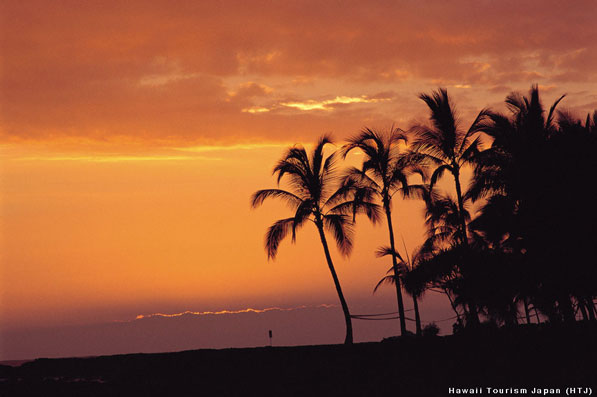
{"points": [[452, 304], [526, 311], [396, 271], [583, 311], [418, 328], [384, 172], [537, 315], [590, 309], [446, 146], [348, 340]]}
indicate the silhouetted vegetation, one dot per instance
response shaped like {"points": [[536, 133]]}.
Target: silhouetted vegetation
{"points": [[384, 173], [528, 246], [524, 255], [312, 199]]}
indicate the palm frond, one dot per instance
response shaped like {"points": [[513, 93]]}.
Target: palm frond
{"points": [[387, 251], [391, 280], [398, 176], [275, 234], [443, 118], [424, 154], [361, 204], [476, 126], [317, 156], [437, 174], [259, 197], [548, 122], [341, 227], [417, 191], [471, 151], [303, 212], [346, 189], [294, 168], [361, 178]]}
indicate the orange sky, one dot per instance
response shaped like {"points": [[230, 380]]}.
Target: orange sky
{"points": [[133, 134]]}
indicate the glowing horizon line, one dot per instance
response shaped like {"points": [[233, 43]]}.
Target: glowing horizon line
{"points": [[248, 310]]}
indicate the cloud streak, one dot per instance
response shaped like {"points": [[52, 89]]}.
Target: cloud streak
{"points": [[225, 312]]}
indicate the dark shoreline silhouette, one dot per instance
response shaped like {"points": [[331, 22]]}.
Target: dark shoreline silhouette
{"points": [[524, 356]]}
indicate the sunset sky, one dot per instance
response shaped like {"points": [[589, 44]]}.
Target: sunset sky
{"points": [[134, 132]]}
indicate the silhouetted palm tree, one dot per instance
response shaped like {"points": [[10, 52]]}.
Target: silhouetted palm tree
{"points": [[445, 146], [515, 175], [383, 173], [312, 199], [441, 261], [532, 178], [404, 267]]}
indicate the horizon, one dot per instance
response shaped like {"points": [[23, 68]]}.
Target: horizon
{"points": [[132, 137]]}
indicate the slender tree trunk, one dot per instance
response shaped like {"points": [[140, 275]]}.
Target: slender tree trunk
{"points": [[526, 310], [583, 311], [463, 230], [396, 271], [452, 303], [347, 318], [590, 309], [419, 330], [537, 315], [474, 314]]}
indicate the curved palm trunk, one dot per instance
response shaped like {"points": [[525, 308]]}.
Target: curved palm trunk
{"points": [[396, 272], [590, 308], [417, 317], [537, 315], [590, 304], [452, 304], [526, 311], [583, 311], [328, 257]]}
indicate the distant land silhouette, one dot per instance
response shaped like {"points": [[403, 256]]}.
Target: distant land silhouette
{"points": [[529, 356], [300, 326]]}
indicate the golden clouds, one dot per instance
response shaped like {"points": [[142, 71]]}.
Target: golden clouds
{"points": [[328, 104], [313, 104], [255, 109], [230, 71]]}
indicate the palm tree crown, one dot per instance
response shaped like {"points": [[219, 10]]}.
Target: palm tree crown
{"points": [[312, 198], [444, 145]]}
